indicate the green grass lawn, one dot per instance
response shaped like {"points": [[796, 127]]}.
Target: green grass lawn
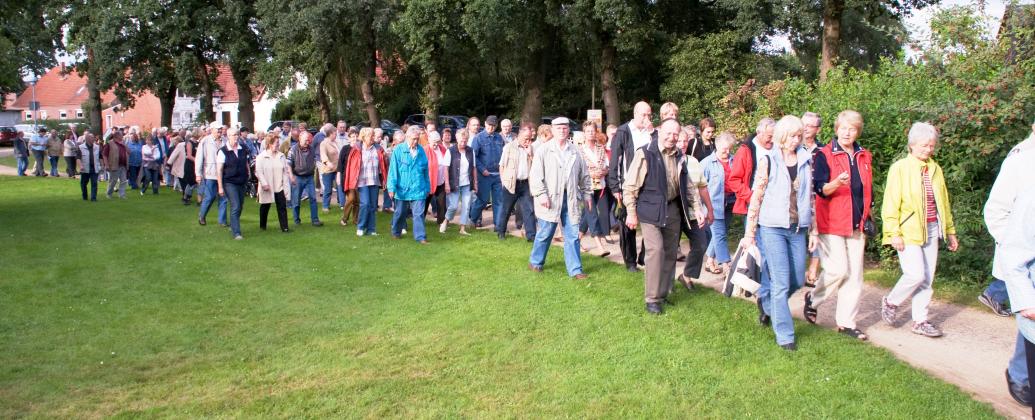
{"points": [[127, 308]]}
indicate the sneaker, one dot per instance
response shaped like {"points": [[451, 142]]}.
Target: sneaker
{"points": [[372, 234], [238, 238], [887, 311], [996, 307], [404, 231], [926, 329], [359, 232], [442, 228]]}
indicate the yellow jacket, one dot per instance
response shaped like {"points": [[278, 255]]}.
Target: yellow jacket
{"points": [[904, 212]]}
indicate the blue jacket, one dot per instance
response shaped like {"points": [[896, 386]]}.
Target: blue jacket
{"points": [[715, 174], [776, 201], [408, 175], [488, 149], [135, 149]]}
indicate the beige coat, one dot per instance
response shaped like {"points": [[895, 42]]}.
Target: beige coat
{"points": [[176, 158], [272, 169], [329, 149], [550, 176], [509, 161]]}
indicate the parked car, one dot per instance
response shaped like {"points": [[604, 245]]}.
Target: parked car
{"points": [[278, 124], [7, 134], [26, 129], [574, 126], [387, 127]]}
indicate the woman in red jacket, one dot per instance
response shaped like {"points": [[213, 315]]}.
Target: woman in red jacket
{"points": [[366, 172], [843, 180]]}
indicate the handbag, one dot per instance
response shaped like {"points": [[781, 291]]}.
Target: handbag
{"points": [[869, 228]]}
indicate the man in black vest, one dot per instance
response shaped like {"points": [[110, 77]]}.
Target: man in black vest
{"points": [[302, 161], [232, 177], [657, 192], [629, 137]]}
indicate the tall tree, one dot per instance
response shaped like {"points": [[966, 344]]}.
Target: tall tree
{"points": [[27, 43], [433, 44], [243, 48]]}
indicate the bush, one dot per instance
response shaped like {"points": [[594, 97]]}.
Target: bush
{"points": [[981, 104]]}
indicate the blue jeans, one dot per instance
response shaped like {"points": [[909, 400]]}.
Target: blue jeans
{"points": [[459, 201], [403, 209], [235, 195], [329, 186], [997, 291], [367, 221], [387, 203], [91, 179], [718, 248], [54, 165], [1018, 367], [785, 251], [488, 187], [544, 235], [134, 171], [23, 164], [307, 185], [211, 188]]}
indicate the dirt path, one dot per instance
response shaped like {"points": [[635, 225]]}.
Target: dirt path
{"points": [[972, 355]]}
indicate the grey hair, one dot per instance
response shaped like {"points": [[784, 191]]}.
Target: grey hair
{"points": [[434, 136], [725, 137], [921, 131], [328, 129], [810, 114], [413, 131], [763, 124]]}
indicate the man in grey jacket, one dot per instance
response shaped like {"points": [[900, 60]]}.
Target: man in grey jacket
{"points": [[559, 182]]}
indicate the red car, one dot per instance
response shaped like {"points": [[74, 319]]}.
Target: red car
{"points": [[7, 134]]}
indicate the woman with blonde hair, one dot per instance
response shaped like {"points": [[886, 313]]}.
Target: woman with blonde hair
{"points": [[597, 221], [780, 213], [916, 214], [271, 168]]}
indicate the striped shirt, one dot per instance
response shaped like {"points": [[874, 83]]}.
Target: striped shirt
{"points": [[368, 170], [932, 208]]}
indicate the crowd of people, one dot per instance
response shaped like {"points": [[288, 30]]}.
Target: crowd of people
{"points": [[806, 205]]}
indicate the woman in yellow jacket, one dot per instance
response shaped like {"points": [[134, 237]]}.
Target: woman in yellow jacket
{"points": [[916, 215]]}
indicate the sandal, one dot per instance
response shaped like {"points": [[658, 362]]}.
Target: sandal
{"points": [[810, 313], [854, 333]]}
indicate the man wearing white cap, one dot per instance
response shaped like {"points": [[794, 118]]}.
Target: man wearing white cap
{"points": [[207, 178], [559, 182]]}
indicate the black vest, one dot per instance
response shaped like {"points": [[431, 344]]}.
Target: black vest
{"points": [[235, 167], [651, 205]]}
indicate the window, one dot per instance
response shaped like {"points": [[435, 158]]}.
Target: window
{"points": [[28, 115], [79, 114], [63, 115], [109, 120], [43, 115]]}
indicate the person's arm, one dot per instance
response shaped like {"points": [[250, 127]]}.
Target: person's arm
{"points": [[755, 205], [263, 182], [537, 181], [891, 208], [393, 173], [219, 176], [614, 170], [199, 162], [634, 178], [1001, 198]]}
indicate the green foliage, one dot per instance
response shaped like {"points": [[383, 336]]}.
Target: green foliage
{"points": [[699, 67], [981, 105], [26, 44], [299, 105]]}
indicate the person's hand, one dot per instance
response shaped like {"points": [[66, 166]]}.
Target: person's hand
{"points": [[844, 178], [1029, 313], [265, 187], [197, 179], [898, 243], [391, 195], [954, 243], [544, 201], [221, 194], [618, 196], [700, 217], [813, 243], [747, 242], [709, 219], [631, 221]]}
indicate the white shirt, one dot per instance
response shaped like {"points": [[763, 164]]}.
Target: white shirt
{"points": [[443, 163], [465, 171], [640, 137], [522, 169], [221, 158]]}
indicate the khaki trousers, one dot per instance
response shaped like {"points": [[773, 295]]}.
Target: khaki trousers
{"points": [[662, 248], [842, 261], [351, 207]]}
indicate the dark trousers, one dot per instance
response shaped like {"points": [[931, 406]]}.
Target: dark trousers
{"points": [[698, 245], [150, 177], [133, 175], [437, 201], [89, 178], [40, 169], [521, 198], [70, 166], [627, 243], [1029, 350], [264, 211]]}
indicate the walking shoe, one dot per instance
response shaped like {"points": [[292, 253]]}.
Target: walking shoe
{"points": [[359, 232], [763, 318], [404, 231], [996, 307], [238, 238], [1019, 391], [442, 227], [580, 276], [535, 269], [654, 308], [792, 346], [926, 329], [887, 311], [317, 223], [343, 222], [200, 221], [501, 235]]}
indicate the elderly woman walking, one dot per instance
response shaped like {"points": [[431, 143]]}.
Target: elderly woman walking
{"points": [[781, 211], [461, 182], [717, 169], [916, 214], [366, 172], [409, 185], [271, 168], [843, 181]]}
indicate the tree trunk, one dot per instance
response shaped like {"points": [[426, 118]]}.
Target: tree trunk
{"points": [[322, 101], [833, 10], [245, 105], [532, 110], [167, 101], [94, 92], [607, 82], [432, 96], [366, 86], [207, 112]]}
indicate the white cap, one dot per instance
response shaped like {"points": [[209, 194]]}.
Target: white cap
{"points": [[215, 124], [559, 121], [433, 135]]}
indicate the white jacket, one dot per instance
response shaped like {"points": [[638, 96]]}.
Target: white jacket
{"points": [[85, 155], [205, 159], [550, 176], [1016, 172]]}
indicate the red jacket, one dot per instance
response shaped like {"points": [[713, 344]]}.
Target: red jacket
{"points": [[740, 178], [834, 212], [355, 165]]}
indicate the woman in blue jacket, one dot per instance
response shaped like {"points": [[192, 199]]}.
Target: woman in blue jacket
{"points": [[716, 169]]}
